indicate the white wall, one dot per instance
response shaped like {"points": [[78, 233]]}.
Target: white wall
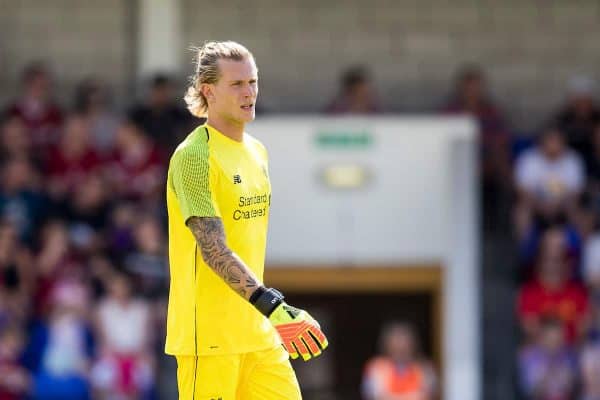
{"points": [[418, 207], [400, 215]]}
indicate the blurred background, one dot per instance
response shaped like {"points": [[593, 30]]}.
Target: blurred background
{"points": [[436, 191]]}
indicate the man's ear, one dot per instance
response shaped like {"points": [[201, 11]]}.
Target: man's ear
{"points": [[207, 91]]}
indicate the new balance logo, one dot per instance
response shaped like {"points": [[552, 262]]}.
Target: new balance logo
{"points": [[237, 179]]}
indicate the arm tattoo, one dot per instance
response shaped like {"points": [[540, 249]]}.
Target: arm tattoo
{"points": [[210, 236]]}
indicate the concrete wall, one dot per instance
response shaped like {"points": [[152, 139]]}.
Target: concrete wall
{"points": [[76, 39], [529, 48]]}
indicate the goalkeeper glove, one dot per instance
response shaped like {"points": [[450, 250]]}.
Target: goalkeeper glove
{"points": [[299, 332]]}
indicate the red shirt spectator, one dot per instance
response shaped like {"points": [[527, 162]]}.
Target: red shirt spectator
{"points": [[74, 159], [35, 107], [568, 302], [55, 261], [552, 293], [72, 170], [137, 168]]}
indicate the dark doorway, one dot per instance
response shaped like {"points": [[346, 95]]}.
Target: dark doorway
{"points": [[352, 322]]}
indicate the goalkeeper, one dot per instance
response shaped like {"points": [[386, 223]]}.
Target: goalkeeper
{"points": [[231, 335]]}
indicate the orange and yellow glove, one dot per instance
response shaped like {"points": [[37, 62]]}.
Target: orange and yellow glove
{"points": [[299, 332]]}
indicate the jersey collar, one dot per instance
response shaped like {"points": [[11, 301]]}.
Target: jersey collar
{"points": [[215, 134]]}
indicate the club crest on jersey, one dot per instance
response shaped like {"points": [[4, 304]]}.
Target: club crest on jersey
{"points": [[237, 179]]}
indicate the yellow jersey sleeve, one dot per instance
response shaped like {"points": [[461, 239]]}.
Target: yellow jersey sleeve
{"points": [[191, 179]]}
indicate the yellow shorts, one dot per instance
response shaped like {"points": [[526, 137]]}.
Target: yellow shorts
{"points": [[261, 375]]}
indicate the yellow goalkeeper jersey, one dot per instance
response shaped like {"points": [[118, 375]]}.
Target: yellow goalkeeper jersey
{"points": [[211, 175]]}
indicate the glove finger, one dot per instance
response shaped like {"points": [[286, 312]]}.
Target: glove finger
{"points": [[287, 345], [302, 349], [319, 336], [311, 343]]}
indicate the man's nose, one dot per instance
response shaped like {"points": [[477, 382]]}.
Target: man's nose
{"points": [[249, 92]]}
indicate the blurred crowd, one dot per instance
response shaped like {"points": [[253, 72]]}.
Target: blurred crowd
{"points": [[556, 209], [550, 180], [83, 261]]}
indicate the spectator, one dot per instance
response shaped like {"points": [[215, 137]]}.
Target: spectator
{"points": [[592, 163], [61, 349], [590, 371], [471, 97], [16, 277], [36, 107], [585, 219], [398, 373], [549, 180], [552, 293], [563, 237], [591, 274], [90, 203], [92, 101], [548, 367], [356, 94], [580, 115], [101, 270], [161, 118], [125, 367], [55, 261], [15, 141], [558, 239], [14, 378], [593, 328], [121, 231], [21, 201], [148, 260], [72, 161], [87, 214], [591, 262], [137, 170]]}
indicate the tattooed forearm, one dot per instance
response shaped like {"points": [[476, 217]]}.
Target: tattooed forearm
{"points": [[210, 235]]}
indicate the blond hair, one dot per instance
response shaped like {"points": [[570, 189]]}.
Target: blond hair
{"points": [[207, 70]]}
